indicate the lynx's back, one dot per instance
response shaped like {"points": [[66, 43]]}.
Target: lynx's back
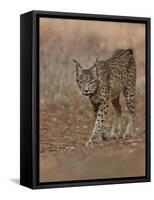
{"points": [[120, 70]]}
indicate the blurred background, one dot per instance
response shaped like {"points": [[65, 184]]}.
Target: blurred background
{"points": [[63, 40], [66, 116]]}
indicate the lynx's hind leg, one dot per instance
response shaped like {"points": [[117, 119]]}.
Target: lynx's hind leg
{"points": [[129, 94], [116, 127]]}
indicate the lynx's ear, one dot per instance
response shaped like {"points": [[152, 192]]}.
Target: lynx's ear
{"points": [[94, 68], [78, 68]]}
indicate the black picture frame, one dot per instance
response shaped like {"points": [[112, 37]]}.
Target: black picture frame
{"points": [[29, 98]]}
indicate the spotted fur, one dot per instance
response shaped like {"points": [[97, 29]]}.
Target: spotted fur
{"points": [[104, 82]]}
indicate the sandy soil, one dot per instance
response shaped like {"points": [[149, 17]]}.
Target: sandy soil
{"points": [[64, 130]]}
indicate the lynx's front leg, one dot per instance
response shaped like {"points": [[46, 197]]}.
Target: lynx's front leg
{"points": [[98, 131]]}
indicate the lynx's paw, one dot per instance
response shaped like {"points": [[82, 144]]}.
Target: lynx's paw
{"points": [[116, 129], [128, 134], [114, 134], [95, 138], [130, 128], [89, 143]]}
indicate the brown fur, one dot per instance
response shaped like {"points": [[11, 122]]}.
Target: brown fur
{"points": [[104, 82]]}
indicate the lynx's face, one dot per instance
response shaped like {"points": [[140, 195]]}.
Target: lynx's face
{"points": [[86, 79]]}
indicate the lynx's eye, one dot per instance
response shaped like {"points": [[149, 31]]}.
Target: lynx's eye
{"points": [[92, 82], [79, 82]]}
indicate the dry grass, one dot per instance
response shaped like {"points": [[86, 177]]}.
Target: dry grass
{"points": [[63, 40]]}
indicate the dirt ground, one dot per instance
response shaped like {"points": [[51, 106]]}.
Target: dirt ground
{"points": [[64, 130]]}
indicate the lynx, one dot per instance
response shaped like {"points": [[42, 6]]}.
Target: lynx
{"points": [[104, 82]]}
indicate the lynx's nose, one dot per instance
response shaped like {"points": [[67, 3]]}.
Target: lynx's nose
{"points": [[86, 92]]}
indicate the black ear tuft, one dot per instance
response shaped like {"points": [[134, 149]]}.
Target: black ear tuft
{"points": [[94, 68], [95, 65], [77, 64], [130, 51], [75, 61], [77, 67], [97, 60]]}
